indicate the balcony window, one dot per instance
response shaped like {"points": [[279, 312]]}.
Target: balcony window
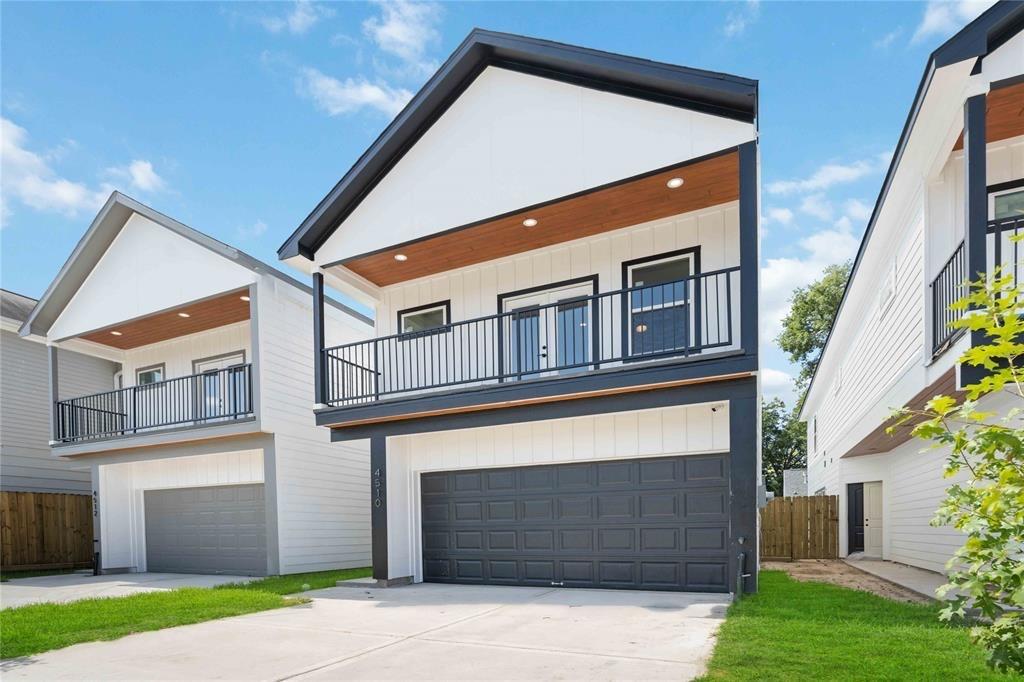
{"points": [[149, 375], [424, 318], [661, 303]]}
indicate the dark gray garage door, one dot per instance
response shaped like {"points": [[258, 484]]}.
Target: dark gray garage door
{"points": [[655, 524], [217, 529]]}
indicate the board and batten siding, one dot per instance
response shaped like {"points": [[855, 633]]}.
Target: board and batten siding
{"points": [[121, 492], [678, 430], [178, 354], [27, 464], [323, 488]]}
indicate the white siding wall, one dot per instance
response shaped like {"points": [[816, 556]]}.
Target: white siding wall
{"points": [[121, 488], [323, 488], [667, 431], [177, 355]]}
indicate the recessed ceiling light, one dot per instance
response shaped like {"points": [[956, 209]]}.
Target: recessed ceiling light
{"points": [[116, 333], [641, 328], [401, 257], [244, 298], [530, 222], [184, 315], [675, 183]]}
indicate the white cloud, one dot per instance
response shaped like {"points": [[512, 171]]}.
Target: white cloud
{"points": [[28, 178], [777, 384], [254, 231], [738, 20], [140, 175], [817, 205], [337, 97], [304, 16], [778, 215], [857, 210], [943, 18], [829, 175], [886, 41], [405, 30]]}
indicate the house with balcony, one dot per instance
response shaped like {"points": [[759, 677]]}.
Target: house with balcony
{"points": [[561, 249], [951, 202], [196, 435]]}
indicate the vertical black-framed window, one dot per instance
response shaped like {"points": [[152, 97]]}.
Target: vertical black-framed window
{"points": [[662, 308]]}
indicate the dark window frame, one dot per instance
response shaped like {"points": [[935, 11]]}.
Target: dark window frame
{"points": [[446, 305], [162, 366], [627, 313]]}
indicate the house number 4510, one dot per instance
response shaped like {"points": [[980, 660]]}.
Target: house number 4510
{"points": [[378, 489]]}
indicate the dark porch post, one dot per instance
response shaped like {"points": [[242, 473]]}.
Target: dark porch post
{"points": [[379, 506], [749, 239], [743, 449], [319, 375], [976, 209]]}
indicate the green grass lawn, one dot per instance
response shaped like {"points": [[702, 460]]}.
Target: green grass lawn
{"points": [[797, 630], [36, 628]]}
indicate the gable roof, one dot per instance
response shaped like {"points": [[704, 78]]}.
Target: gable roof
{"points": [[710, 92], [15, 306], [992, 28], [101, 233]]}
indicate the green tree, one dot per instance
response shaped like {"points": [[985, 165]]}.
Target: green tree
{"points": [[805, 328], [783, 442], [986, 455]]}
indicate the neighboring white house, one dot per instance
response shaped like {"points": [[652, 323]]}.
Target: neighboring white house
{"points": [[794, 482], [952, 198], [561, 247], [25, 461], [202, 452]]}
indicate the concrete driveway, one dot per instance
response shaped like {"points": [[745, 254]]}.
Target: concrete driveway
{"points": [[428, 632], [75, 586]]}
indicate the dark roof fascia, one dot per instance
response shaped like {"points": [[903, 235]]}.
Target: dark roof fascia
{"points": [[990, 30], [711, 92], [108, 224]]}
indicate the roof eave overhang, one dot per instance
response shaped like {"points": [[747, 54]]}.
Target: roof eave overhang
{"points": [[717, 93]]}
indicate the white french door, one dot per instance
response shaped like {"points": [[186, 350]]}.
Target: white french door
{"points": [[223, 391]]}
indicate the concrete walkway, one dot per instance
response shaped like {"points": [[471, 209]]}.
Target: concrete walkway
{"points": [[912, 578], [424, 632], [74, 586]]}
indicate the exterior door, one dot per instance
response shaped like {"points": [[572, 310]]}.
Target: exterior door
{"points": [[548, 332], [873, 519], [223, 392], [855, 518], [649, 524]]}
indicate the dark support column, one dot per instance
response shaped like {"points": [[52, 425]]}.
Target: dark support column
{"points": [[319, 375], [976, 209], [743, 449], [749, 240], [379, 506], [54, 391]]}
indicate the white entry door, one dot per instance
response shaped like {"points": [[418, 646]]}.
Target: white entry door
{"points": [[873, 519], [222, 392], [548, 332]]}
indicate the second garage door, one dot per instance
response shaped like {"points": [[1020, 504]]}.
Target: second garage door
{"points": [[214, 529], [655, 524]]}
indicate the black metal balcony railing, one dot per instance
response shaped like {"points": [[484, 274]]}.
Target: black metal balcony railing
{"points": [[682, 318], [209, 397], [951, 282]]}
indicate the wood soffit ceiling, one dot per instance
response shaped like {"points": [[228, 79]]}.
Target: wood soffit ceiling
{"points": [[881, 441], [1004, 115], [706, 183], [168, 324]]}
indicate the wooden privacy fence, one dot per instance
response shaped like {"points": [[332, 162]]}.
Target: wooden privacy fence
{"points": [[800, 528], [45, 530]]}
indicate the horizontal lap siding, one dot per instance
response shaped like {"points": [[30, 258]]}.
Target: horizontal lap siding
{"points": [[323, 488]]}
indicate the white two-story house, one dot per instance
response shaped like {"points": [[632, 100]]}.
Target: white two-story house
{"points": [[951, 200], [198, 440], [561, 248]]}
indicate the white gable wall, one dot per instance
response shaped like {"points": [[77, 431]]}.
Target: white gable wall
{"points": [[147, 268], [512, 140]]}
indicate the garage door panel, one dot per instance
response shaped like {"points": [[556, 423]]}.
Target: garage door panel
{"points": [[640, 524], [219, 529]]}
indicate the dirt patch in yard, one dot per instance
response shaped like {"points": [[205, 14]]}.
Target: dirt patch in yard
{"points": [[842, 574]]}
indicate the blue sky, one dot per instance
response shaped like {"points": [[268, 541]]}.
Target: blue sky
{"points": [[237, 118]]}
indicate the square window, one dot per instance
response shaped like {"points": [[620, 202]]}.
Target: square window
{"points": [[149, 375]]}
